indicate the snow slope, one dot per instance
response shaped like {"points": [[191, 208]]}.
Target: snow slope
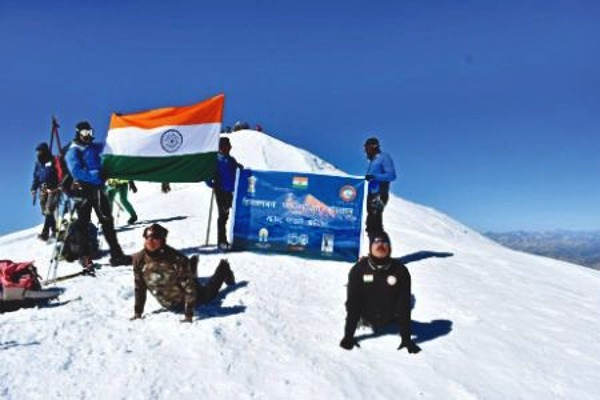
{"points": [[493, 323]]}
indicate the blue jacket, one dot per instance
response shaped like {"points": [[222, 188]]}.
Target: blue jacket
{"points": [[226, 171], [44, 174], [383, 171], [84, 162]]}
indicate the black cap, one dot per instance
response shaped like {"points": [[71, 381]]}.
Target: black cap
{"points": [[82, 125], [42, 146], [372, 141], [381, 236], [156, 230]]}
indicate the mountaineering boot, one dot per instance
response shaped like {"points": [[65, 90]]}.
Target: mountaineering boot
{"points": [[132, 220], [43, 236], [224, 269], [88, 266]]}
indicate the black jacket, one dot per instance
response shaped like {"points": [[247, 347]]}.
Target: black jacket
{"points": [[380, 296]]}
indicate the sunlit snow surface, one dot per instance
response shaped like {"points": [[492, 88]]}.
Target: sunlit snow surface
{"points": [[492, 323]]}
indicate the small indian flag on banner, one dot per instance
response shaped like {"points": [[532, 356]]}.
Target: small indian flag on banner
{"points": [[174, 144], [300, 182]]}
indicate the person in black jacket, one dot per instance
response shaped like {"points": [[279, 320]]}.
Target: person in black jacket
{"points": [[45, 179], [379, 294]]}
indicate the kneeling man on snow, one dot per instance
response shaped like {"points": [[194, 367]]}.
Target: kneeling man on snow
{"points": [[379, 294], [171, 277]]}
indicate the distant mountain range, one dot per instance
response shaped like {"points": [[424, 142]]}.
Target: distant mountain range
{"points": [[579, 247]]}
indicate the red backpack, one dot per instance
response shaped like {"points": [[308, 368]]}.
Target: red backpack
{"points": [[18, 277]]}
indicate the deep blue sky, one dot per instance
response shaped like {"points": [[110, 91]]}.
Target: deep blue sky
{"points": [[490, 109]]}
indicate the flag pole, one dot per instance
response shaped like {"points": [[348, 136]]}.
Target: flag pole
{"points": [[210, 210]]}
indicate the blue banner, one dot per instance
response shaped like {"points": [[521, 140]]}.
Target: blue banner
{"points": [[312, 215]]}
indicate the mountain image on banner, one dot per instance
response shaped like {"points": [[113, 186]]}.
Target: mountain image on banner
{"points": [[174, 144], [493, 323]]}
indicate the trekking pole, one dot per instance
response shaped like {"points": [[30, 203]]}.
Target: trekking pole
{"points": [[210, 209], [119, 210], [54, 133], [59, 244]]}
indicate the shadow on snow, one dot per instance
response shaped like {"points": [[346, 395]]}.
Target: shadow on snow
{"points": [[422, 255], [148, 222], [214, 309], [421, 331]]}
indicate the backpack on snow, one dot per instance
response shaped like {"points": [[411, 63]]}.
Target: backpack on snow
{"points": [[20, 286], [16, 278], [77, 238]]}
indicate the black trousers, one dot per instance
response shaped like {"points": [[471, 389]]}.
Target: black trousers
{"points": [[207, 293], [375, 212], [96, 199], [224, 203]]}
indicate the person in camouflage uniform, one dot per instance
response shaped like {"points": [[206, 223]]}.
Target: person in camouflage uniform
{"points": [[171, 277]]}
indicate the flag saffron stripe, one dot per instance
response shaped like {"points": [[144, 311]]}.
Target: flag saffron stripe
{"points": [[208, 111]]}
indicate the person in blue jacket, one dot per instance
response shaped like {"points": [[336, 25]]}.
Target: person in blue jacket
{"points": [[380, 173], [224, 186], [84, 163], [45, 179]]}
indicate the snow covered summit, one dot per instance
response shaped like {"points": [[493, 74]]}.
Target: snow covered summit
{"points": [[492, 323]]}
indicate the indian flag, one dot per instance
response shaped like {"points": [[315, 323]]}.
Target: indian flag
{"points": [[300, 182], [173, 144]]}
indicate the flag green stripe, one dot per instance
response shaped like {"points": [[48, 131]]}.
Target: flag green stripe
{"points": [[183, 168]]}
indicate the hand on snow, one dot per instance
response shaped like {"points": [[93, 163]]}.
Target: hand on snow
{"points": [[136, 316], [348, 343], [410, 346]]}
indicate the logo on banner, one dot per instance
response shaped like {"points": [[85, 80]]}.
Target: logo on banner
{"points": [[327, 243], [251, 185], [300, 182], [263, 238], [263, 235], [171, 140], [297, 242], [348, 193]]}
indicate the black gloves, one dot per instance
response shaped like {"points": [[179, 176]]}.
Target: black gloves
{"points": [[132, 186], [240, 166], [377, 204], [410, 346], [348, 343], [369, 177]]}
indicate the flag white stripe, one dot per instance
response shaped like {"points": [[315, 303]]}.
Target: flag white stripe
{"points": [[187, 139]]}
